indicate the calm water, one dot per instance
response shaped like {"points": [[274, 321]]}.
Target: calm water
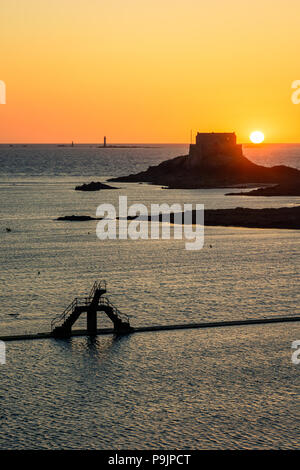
{"points": [[227, 388]]}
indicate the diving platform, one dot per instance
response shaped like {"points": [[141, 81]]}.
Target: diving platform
{"points": [[61, 326]]}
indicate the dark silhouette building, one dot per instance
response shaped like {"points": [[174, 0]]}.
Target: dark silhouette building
{"points": [[212, 146]]}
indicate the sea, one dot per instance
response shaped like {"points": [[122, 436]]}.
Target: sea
{"points": [[223, 388]]}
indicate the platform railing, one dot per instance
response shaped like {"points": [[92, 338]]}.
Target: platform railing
{"points": [[98, 285], [122, 316], [61, 318]]}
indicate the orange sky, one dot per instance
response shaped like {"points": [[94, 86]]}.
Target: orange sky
{"points": [[148, 70]]}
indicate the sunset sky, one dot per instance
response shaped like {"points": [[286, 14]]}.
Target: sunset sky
{"points": [[148, 70]]}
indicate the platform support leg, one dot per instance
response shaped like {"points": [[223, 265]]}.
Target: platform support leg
{"points": [[92, 321]]}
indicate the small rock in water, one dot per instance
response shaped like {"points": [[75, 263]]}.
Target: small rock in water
{"points": [[79, 218], [93, 186]]}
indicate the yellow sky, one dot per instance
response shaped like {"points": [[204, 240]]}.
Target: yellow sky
{"points": [[148, 70]]}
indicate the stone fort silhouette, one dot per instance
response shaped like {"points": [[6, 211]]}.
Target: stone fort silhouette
{"points": [[214, 146]]}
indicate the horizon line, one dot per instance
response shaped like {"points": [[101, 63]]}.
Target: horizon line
{"points": [[69, 143]]}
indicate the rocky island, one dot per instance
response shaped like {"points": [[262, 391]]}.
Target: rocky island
{"points": [[215, 160]]}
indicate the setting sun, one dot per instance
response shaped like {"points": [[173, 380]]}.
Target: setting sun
{"points": [[257, 137]]}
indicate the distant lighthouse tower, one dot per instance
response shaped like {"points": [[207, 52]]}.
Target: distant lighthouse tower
{"points": [[104, 142]]}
